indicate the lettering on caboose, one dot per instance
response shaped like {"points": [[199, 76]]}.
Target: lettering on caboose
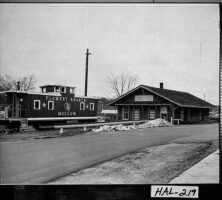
{"points": [[74, 99], [66, 113]]}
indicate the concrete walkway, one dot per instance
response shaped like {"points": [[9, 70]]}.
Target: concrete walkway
{"points": [[206, 171]]}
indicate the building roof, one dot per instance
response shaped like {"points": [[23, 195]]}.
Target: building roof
{"points": [[46, 94], [183, 99]]}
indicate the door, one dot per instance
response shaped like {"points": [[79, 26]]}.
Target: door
{"points": [[15, 106], [163, 112], [136, 115], [125, 113]]}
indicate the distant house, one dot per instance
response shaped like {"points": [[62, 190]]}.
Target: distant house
{"points": [[147, 103], [106, 112], [214, 112]]}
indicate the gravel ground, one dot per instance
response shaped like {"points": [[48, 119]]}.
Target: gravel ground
{"points": [[155, 165], [19, 136]]}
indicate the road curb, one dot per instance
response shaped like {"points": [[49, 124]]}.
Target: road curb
{"points": [[205, 171]]}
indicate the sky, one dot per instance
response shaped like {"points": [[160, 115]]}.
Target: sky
{"points": [[170, 43]]}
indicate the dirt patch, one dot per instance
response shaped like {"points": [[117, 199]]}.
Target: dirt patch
{"points": [[153, 165]]}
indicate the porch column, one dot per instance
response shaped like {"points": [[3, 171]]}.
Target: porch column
{"points": [[173, 110], [188, 114], [182, 114], [200, 114]]}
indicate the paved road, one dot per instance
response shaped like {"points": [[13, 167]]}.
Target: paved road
{"points": [[39, 161]]}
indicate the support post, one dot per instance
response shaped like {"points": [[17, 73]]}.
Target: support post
{"points": [[182, 114], [86, 73]]}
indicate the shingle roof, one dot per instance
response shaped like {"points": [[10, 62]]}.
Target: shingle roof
{"points": [[183, 99]]}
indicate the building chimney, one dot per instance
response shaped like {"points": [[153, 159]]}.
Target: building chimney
{"points": [[161, 85], [18, 86]]}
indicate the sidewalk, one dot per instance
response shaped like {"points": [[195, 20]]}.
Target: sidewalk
{"points": [[205, 171]]}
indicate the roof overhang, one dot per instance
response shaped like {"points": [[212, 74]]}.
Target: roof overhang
{"points": [[36, 93], [189, 106]]}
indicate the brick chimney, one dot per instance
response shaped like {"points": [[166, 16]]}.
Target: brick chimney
{"points": [[161, 85]]}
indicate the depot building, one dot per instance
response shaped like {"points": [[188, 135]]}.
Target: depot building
{"points": [[148, 103]]}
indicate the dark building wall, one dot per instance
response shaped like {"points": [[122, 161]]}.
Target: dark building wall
{"points": [[177, 113], [68, 90], [3, 99], [59, 106], [119, 112]]}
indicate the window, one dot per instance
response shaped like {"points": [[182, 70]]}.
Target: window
{"points": [[50, 105], [82, 106], [125, 113], [57, 89], [163, 109], [44, 90], [36, 104], [144, 98], [152, 114], [91, 106], [72, 90], [63, 89]]}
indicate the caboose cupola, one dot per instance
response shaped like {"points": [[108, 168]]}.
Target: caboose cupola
{"points": [[61, 89]]}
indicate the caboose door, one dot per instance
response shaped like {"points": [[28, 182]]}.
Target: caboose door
{"points": [[16, 107]]}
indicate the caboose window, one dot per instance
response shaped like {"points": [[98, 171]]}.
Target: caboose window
{"points": [[82, 106], [36, 104], [44, 90], [57, 89], [91, 106], [63, 89], [50, 105], [72, 90]]}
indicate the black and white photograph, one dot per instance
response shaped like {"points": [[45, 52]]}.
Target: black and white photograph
{"points": [[109, 93]]}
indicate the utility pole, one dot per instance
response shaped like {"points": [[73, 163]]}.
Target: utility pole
{"points": [[86, 73]]}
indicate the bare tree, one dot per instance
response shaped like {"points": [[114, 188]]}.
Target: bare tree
{"points": [[27, 83], [122, 83], [6, 83]]}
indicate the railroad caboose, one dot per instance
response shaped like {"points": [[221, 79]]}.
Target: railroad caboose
{"points": [[53, 104]]}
